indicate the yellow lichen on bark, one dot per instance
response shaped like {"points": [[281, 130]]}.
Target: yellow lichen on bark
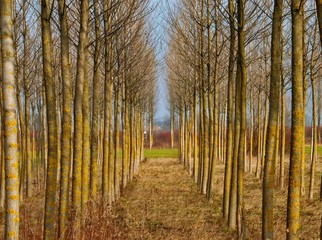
{"points": [[297, 131], [51, 179], [10, 124]]}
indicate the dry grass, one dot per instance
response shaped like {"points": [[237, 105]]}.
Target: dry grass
{"points": [[163, 202], [310, 210]]}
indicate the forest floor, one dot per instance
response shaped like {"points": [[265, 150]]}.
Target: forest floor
{"points": [[163, 202]]}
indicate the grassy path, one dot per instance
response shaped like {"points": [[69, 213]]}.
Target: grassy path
{"points": [[164, 203]]}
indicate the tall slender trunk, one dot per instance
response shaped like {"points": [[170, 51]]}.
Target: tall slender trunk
{"points": [[232, 221], [273, 124], [111, 191], [294, 191], [51, 179], [27, 169], [241, 231], [116, 138], [125, 144], [305, 50], [264, 130], [251, 134], [78, 110], [314, 130], [259, 137], [203, 109], [195, 130], [95, 103], [11, 230], [2, 162], [107, 112], [214, 116], [67, 119], [86, 134], [282, 148], [171, 127], [211, 128], [229, 132]]}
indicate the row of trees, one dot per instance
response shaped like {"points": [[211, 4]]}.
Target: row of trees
{"points": [[76, 80], [231, 66]]}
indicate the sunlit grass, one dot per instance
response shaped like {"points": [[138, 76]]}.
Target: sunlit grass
{"points": [[161, 153], [156, 153], [308, 149]]}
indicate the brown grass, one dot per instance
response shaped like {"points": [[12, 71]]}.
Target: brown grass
{"points": [[163, 202], [310, 210]]}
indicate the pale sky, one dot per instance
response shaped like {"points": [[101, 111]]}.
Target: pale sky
{"points": [[159, 24]]}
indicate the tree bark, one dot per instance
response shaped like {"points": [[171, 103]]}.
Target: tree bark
{"points": [[67, 119], [294, 192], [314, 129], [241, 231], [229, 132], [51, 179], [272, 131], [78, 111], [11, 230], [95, 115]]}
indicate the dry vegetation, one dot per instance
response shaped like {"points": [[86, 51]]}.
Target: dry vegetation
{"points": [[310, 210], [163, 202]]}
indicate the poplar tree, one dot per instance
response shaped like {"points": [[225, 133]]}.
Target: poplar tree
{"points": [[11, 231], [51, 178], [271, 144], [297, 131], [66, 118]]}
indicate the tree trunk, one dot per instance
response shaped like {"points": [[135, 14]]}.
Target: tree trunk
{"points": [[294, 192], [171, 127], [11, 230], [67, 119], [282, 148], [2, 162], [95, 104], [232, 221], [229, 132], [28, 160], [116, 138], [51, 179], [86, 134], [259, 152], [314, 130], [251, 134], [272, 131], [304, 101], [78, 111], [241, 231], [107, 108], [264, 130]]}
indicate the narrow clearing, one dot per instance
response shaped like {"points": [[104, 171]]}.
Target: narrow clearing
{"points": [[163, 203]]}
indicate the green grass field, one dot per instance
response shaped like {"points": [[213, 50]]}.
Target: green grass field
{"points": [[161, 153], [174, 153], [308, 149], [156, 153]]}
